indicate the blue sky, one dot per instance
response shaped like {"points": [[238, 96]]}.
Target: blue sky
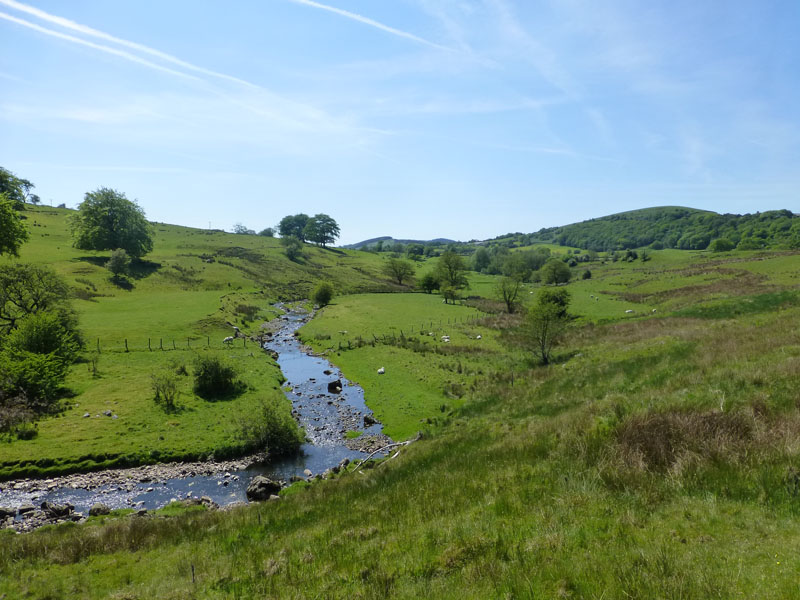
{"points": [[412, 118]]}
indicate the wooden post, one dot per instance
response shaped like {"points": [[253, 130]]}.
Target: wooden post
{"points": [[98, 344], [126, 344], [161, 343], [148, 345], [208, 340], [188, 345]]}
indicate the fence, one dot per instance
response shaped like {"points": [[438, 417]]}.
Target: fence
{"points": [[164, 344]]}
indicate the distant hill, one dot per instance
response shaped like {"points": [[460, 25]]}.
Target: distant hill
{"points": [[388, 240], [676, 227]]}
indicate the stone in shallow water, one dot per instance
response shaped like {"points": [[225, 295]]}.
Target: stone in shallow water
{"points": [[261, 488]]}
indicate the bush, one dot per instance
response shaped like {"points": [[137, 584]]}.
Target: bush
{"points": [[214, 378], [48, 332], [721, 245], [36, 377], [323, 294], [587, 274], [119, 263], [165, 389], [270, 429]]}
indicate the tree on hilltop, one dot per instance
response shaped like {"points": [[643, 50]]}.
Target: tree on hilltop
{"points": [[293, 226], [17, 190], [107, 220], [321, 229]]}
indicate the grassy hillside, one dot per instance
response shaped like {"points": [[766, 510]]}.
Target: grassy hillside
{"points": [[657, 457], [179, 303], [677, 227]]}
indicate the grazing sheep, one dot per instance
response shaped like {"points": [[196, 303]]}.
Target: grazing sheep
{"points": [[629, 311], [477, 337], [381, 371], [654, 310], [228, 340]]}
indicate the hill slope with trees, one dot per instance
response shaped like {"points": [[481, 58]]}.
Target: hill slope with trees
{"points": [[677, 227]]}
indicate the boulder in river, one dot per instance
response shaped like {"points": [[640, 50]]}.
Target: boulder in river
{"points": [[99, 509], [57, 511], [369, 420], [261, 488], [6, 512], [334, 387]]}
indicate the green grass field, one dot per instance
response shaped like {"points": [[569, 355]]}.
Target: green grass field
{"points": [[656, 457]]}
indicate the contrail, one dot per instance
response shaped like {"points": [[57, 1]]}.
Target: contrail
{"points": [[86, 30], [370, 22], [100, 47]]}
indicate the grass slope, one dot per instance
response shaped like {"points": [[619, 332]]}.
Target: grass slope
{"points": [[183, 298]]}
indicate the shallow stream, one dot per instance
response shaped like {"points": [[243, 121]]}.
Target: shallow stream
{"points": [[325, 415]]}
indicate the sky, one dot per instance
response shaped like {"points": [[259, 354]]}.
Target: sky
{"points": [[463, 119]]}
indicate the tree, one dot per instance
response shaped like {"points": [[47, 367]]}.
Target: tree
{"points": [[268, 232], [17, 190], [399, 270], [555, 271], [481, 259], [12, 230], [119, 263], [293, 226], [27, 289], [587, 274], [452, 270], [242, 230], [107, 220], [546, 322], [321, 229], [293, 247], [428, 282], [508, 290], [323, 294]]}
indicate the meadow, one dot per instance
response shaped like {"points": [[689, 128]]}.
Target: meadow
{"points": [[656, 457]]}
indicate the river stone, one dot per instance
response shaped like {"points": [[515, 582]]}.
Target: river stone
{"points": [[57, 511], [261, 488], [369, 420], [6, 512], [26, 508], [99, 509], [334, 387]]}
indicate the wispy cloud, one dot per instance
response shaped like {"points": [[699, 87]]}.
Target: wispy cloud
{"points": [[372, 23], [102, 48], [91, 32]]}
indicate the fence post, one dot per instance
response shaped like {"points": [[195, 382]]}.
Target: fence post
{"points": [[208, 340], [148, 345], [188, 345], [161, 343], [126, 344], [173, 344], [98, 344]]}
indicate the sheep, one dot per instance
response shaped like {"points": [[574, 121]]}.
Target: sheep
{"points": [[477, 337], [629, 311], [381, 371], [228, 340]]}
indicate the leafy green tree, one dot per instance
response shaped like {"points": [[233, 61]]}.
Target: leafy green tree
{"points": [[452, 270], [428, 282], [27, 289], [240, 229], [555, 271], [268, 232], [45, 332], [481, 259], [321, 230], [107, 220], [546, 322], [587, 274], [119, 264], [292, 247], [12, 230], [507, 289], [16, 190], [323, 294], [415, 251], [294, 226], [399, 270]]}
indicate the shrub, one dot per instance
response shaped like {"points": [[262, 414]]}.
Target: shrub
{"points": [[268, 428], [165, 389], [587, 274], [214, 378], [48, 332], [323, 294], [721, 245], [36, 377]]}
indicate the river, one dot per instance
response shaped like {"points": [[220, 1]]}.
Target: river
{"points": [[325, 416]]}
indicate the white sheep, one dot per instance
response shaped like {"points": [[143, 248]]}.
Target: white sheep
{"points": [[629, 311], [381, 371], [477, 337], [228, 340]]}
